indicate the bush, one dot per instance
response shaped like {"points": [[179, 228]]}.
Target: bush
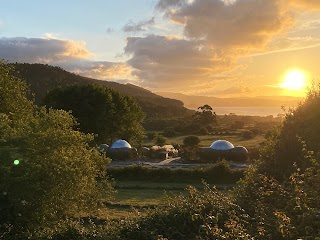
{"points": [[208, 214], [160, 140], [169, 132], [151, 136], [237, 125], [217, 173], [191, 141], [247, 134]]}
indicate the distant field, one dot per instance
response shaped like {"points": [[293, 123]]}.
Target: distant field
{"points": [[206, 140]]}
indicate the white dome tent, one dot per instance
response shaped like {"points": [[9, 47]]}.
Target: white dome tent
{"points": [[221, 145], [120, 144]]}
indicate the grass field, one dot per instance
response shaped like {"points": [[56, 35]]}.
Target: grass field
{"points": [[206, 140], [134, 197]]}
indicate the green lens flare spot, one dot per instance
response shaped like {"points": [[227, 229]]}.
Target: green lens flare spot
{"points": [[16, 162]]}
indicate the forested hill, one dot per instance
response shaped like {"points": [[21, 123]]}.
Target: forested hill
{"points": [[44, 78]]}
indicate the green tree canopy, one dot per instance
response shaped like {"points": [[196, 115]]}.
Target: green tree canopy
{"points": [[101, 111], [48, 173], [300, 130], [191, 141], [205, 115]]}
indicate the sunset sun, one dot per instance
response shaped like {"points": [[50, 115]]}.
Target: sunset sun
{"points": [[294, 80]]}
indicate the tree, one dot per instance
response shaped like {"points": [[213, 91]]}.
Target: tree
{"points": [[48, 172], [160, 140], [300, 130], [205, 115], [101, 111], [191, 141]]}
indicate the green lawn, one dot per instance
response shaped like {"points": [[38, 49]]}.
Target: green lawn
{"points": [[206, 140], [134, 197]]}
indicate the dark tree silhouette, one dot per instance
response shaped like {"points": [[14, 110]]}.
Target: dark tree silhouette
{"points": [[205, 115], [101, 111]]}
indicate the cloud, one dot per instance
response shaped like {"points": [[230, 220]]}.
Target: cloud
{"points": [[245, 24], [308, 4], [293, 43], [138, 27], [109, 30], [99, 69], [40, 50], [159, 59], [216, 34], [68, 54], [165, 4]]}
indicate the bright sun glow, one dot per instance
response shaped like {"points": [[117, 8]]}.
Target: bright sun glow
{"points": [[294, 80]]}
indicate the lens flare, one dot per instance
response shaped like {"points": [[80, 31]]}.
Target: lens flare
{"points": [[16, 162]]}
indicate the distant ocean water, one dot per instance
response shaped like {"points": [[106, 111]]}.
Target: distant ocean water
{"points": [[249, 111]]}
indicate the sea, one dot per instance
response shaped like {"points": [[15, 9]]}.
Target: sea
{"points": [[249, 111]]}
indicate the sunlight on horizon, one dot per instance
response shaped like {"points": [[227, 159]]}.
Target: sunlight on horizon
{"points": [[295, 82]]}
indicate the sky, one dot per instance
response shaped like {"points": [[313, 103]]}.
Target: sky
{"points": [[221, 48]]}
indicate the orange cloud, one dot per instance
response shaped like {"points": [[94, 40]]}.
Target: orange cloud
{"points": [[307, 4], [40, 50], [244, 24], [161, 60], [100, 70]]}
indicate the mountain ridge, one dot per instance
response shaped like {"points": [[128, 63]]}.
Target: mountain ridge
{"points": [[43, 78]]}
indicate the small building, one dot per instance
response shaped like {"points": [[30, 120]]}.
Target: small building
{"points": [[164, 152]]}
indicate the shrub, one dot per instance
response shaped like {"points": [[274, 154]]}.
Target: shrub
{"points": [[199, 215], [247, 134], [160, 140], [217, 173], [151, 135], [169, 132], [191, 141]]}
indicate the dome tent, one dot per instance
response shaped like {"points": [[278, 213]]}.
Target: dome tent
{"points": [[121, 150], [103, 148], [223, 149], [221, 145], [120, 144], [239, 154]]}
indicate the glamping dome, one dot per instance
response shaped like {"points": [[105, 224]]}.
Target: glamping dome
{"points": [[103, 147], [239, 154], [221, 145], [240, 150], [120, 144]]}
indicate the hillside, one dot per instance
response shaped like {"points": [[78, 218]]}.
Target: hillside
{"points": [[193, 102], [44, 78]]}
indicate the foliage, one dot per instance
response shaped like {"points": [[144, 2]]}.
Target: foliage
{"points": [[169, 132], [199, 215], [101, 111], [190, 153], [216, 173], [247, 134], [287, 145], [45, 78], [151, 135], [58, 177], [191, 141], [205, 115], [237, 125], [160, 140], [282, 210]]}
